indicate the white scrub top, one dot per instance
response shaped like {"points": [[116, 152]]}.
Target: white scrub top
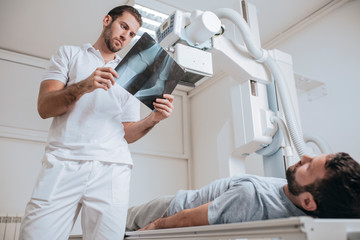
{"points": [[92, 129]]}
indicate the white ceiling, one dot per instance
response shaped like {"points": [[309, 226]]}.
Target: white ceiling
{"points": [[274, 16], [39, 27]]}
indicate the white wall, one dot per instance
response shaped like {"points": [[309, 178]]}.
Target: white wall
{"points": [[43, 26], [211, 127], [212, 132], [328, 51]]}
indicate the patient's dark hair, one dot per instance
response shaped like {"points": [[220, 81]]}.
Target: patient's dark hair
{"points": [[338, 194], [118, 11]]}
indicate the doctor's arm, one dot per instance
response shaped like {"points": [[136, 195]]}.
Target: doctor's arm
{"points": [[55, 98], [186, 218], [136, 130]]}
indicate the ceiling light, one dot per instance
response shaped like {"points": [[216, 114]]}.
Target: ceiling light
{"points": [[152, 19]]}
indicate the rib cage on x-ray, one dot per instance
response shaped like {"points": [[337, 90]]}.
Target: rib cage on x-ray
{"points": [[148, 71]]}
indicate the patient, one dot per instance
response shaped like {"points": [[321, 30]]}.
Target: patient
{"points": [[326, 186]]}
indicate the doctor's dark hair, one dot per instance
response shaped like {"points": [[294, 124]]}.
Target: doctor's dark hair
{"points": [[118, 12], [337, 195]]}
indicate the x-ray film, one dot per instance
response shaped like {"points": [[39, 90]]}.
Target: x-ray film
{"points": [[147, 71]]}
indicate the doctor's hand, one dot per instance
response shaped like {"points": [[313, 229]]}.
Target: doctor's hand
{"points": [[164, 107], [102, 77]]}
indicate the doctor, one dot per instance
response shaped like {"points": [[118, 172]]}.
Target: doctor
{"points": [[87, 163]]}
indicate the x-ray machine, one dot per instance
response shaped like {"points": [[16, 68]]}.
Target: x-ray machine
{"points": [[262, 99]]}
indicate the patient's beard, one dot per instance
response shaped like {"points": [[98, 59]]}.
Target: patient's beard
{"points": [[294, 188]]}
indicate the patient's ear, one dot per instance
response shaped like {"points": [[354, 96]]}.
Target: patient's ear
{"points": [[307, 201]]}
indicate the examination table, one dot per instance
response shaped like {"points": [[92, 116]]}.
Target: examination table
{"points": [[294, 228]]}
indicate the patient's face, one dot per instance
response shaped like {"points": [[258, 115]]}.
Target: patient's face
{"points": [[305, 172]]}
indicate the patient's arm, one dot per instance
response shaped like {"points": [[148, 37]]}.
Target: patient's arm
{"points": [[186, 218]]}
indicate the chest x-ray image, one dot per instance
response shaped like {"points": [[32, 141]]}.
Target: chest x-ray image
{"points": [[147, 71]]}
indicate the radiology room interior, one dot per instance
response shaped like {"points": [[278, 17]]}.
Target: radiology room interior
{"points": [[192, 147]]}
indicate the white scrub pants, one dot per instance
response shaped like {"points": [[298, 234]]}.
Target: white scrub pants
{"points": [[99, 189]]}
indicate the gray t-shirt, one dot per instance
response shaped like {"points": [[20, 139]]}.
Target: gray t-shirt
{"points": [[239, 199]]}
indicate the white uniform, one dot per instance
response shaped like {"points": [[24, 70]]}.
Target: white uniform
{"points": [[87, 163]]}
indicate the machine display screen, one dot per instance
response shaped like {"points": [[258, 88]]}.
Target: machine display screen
{"points": [[166, 24]]}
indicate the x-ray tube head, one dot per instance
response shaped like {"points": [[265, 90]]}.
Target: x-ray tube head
{"points": [[203, 26]]}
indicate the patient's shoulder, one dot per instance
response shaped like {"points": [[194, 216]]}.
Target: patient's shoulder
{"points": [[255, 178], [258, 183]]}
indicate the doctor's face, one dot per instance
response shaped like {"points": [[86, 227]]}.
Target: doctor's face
{"points": [[305, 172], [119, 32]]}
